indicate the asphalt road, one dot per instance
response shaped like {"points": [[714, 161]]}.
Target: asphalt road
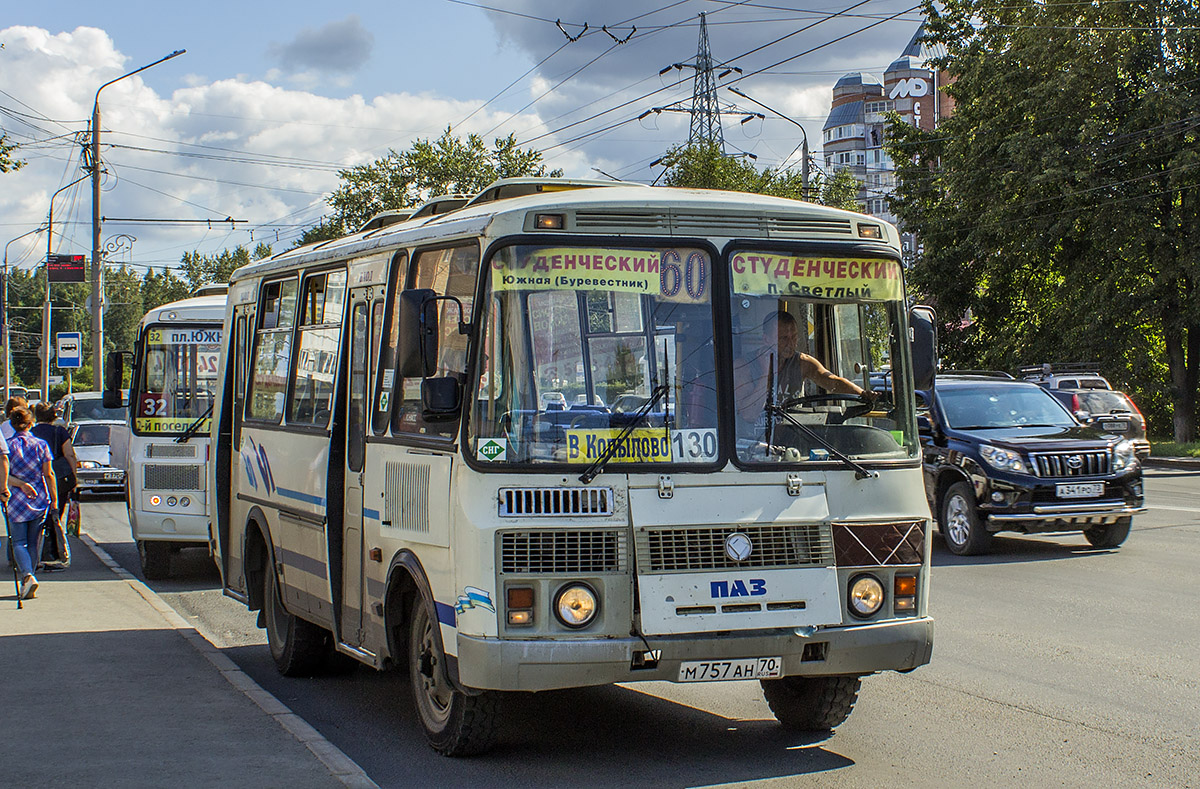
{"points": [[1053, 664]]}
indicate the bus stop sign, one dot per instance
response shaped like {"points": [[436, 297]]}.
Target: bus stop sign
{"points": [[69, 350]]}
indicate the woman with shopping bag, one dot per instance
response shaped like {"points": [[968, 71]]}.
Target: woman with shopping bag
{"points": [[57, 551], [34, 496]]}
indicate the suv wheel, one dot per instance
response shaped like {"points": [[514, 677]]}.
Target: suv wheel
{"points": [[1109, 535], [960, 524]]}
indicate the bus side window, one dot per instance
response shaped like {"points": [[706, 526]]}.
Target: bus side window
{"points": [[385, 378], [356, 424], [317, 341], [272, 351], [449, 271]]}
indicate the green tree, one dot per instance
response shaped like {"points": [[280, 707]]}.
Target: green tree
{"points": [[706, 167], [7, 162], [429, 168], [162, 288], [1060, 202], [200, 269]]}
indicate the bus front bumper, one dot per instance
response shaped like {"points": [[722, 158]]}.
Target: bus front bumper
{"points": [[544, 664]]}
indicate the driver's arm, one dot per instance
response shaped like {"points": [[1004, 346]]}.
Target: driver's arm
{"points": [[816, 372]]}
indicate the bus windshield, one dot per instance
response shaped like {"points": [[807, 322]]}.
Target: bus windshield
{"points": [[584, 346], [177, 378], [816, 340]]}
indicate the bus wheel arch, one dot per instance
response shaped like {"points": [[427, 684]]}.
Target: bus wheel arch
{"points": [[407, 582], [256, 556]]}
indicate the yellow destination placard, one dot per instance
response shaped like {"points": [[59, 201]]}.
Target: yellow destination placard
{"points": [[166, 424], [772, 274], [643, 445], [679, 275]]}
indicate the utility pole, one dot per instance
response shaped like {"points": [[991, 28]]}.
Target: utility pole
{"points": [[97, 259]]}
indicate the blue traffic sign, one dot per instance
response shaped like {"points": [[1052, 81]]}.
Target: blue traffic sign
{"points": [[69, 350]]}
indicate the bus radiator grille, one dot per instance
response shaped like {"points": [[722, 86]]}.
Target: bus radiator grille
{"points": [[879, 544], [406, 496], [175, 476], [562, 551], [555, 502], [691, 549], [171, 450]]}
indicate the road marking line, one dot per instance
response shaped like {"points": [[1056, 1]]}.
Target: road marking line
{"points": [[341, 766], [1172, 509]]}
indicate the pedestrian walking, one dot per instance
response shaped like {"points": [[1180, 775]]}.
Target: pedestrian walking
{"points": [[59, 440], [34, 496]]}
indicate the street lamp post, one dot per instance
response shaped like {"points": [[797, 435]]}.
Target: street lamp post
{"points": [[4, 315], [803, 152], [97, 261], [47, 309]]}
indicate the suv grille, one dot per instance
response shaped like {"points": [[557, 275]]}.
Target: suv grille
{"points": [[1069, 464], [562, 551], [691, 549]]}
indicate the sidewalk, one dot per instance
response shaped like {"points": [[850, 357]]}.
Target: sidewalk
{"points": [[103, 685]]}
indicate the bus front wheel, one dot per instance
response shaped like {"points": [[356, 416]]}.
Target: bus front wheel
{"points": [[811, 703], [455, 723], [155, 558], [298, 647]]}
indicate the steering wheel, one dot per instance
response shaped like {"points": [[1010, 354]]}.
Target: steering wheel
{"points": [[818, 399]]}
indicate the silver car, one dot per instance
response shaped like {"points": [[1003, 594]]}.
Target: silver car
{"points": [[96, 473]]}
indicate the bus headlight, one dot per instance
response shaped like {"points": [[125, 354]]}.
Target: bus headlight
{"points": [[866, 595], [575, 605]]}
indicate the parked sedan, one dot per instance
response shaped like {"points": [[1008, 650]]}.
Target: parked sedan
{"points": [[96, 473]]}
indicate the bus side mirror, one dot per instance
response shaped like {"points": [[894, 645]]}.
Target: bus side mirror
{"points": [[114, 376], [418, 329], [922, 325]]}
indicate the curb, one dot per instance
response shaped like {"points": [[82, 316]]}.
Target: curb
{"points": [[341, 766], [1183, 463]]}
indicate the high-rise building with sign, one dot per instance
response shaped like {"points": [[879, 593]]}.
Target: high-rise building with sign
{"points": [[854, 130]]}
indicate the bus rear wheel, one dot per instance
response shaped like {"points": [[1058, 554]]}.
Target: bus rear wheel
{"points": [[456, 724], [156, 559], [811, 703], [299, 648]]}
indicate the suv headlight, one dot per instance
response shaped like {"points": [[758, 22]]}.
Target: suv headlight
{"points": [[1003, 459], [1124, 456]]}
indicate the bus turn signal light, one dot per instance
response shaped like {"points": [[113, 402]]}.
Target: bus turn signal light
{"points": [[520, 605], [905, 592], [548, 221]]}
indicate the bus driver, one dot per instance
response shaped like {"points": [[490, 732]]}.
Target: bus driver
{"points": [[781, 338]]}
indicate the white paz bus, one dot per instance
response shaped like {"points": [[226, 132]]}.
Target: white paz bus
{"points": [[164, 449], [516, 447]]}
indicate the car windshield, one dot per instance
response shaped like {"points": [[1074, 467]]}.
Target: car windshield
{"points": [[815, 342], [178, 374], [1104, 402], [988, 406], [92, 408], [582, 346], [90, 436]]}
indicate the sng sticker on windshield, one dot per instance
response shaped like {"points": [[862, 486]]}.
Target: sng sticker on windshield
{"points": [[489, 449]]}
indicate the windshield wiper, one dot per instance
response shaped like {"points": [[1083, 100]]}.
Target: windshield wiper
{"points": [[860, 472], [597, 466], [194, 427]]}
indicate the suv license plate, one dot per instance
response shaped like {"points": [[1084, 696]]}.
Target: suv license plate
{"points": [[720, 670], [1079, 490], [1118, 426]]}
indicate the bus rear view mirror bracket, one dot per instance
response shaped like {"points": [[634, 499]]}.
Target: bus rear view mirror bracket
{"points": [[440, 398], [114, 376], [922, 323], [417, 350]]}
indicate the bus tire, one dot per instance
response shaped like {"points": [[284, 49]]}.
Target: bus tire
{"points": [[1109, 535], [156, 559], [299, 648], [455, 724], [811, 703]]}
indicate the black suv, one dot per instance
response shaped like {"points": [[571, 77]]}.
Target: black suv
{"points": [[1005, 455]]}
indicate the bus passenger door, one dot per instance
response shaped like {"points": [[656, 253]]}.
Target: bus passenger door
{"points": [[356, 421]]}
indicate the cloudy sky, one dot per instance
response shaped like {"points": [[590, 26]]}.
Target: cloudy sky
{"points": [[270, 100]]}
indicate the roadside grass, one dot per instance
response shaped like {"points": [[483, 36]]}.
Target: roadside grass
{"points": [[1169, 449]]}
